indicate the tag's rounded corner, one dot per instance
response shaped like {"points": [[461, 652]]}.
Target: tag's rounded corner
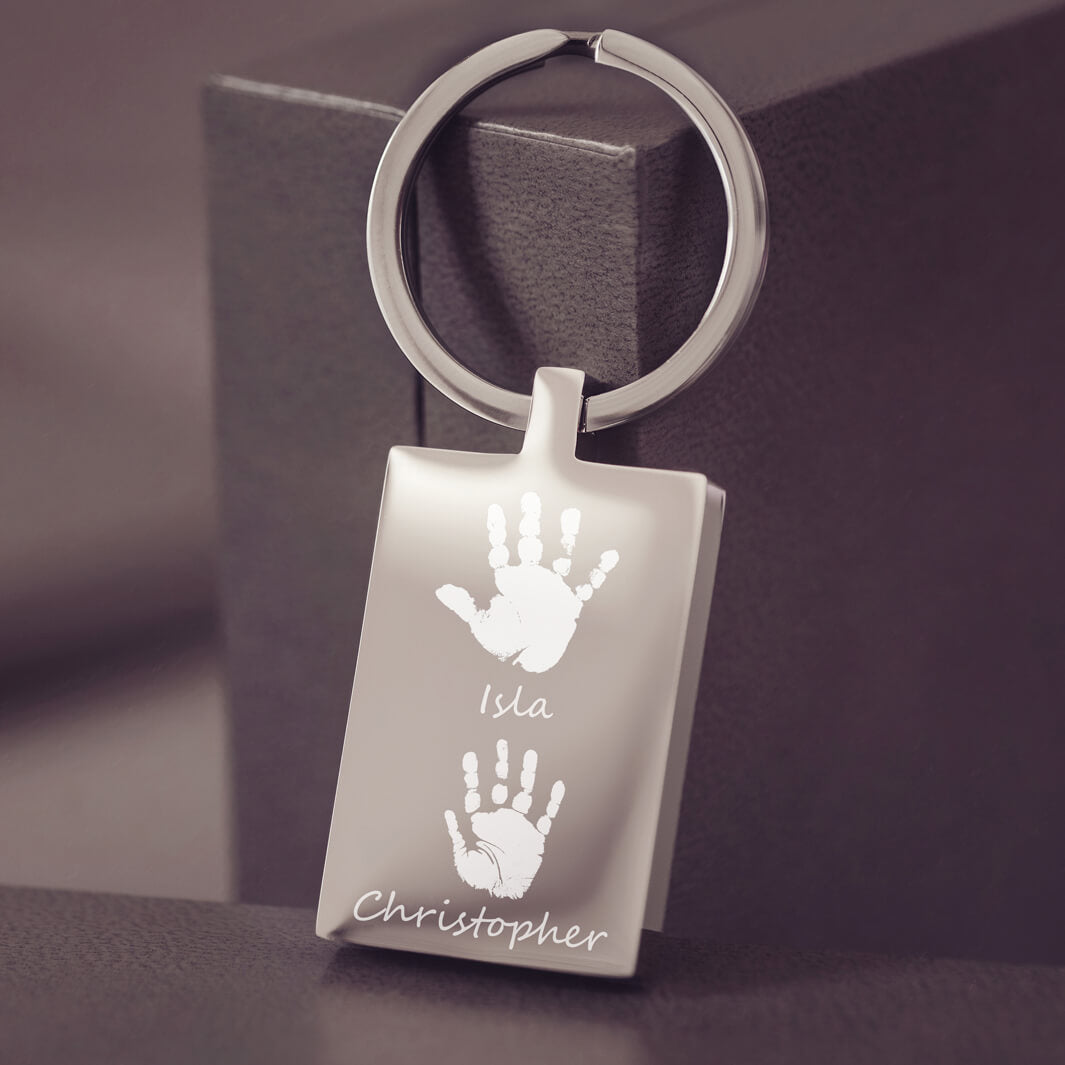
{"points": [[397, 452], [710, 496], [715, 497], [401, 458], [624, 969], [323, 928]]}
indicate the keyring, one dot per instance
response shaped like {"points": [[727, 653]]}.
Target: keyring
{"points": [[746, 241], [534, 585]]}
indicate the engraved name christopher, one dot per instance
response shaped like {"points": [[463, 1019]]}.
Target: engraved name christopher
{"points": [[372, 907]]}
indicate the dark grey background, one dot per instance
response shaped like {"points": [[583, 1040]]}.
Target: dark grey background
{"points": [[112, 735], [893, 778], [876, 752]]}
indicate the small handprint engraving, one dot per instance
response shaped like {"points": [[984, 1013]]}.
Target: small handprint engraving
{"points": [[509, 847], [534, 616]]}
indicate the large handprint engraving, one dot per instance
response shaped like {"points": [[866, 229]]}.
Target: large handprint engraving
{"points": [[534, 616], [509, 847]]}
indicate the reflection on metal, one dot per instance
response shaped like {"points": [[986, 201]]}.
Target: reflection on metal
{"points": [[569, 648]]}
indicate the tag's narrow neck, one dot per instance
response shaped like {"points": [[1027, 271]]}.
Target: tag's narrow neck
{"points": [[557, 403]]}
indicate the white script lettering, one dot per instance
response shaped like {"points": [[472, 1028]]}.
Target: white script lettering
{"points": [[512, 932], [537, 708]]}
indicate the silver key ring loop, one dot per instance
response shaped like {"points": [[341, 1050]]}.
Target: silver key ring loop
{"points": [[746, 242]]}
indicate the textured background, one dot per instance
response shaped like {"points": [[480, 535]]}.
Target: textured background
{"points": [[875, 757], [112, 736], [251, 984], [906, 792]]}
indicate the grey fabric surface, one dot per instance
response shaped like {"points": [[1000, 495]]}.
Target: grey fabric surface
{"points": [[115, 980]]}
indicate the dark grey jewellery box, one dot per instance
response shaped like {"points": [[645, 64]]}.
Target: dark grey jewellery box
{"points": [[877, 750]]}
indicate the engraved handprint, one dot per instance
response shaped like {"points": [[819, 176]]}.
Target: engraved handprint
{"points": [[509, 847], [534, 616]]}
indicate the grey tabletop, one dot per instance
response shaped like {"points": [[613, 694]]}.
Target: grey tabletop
{"points": [[103, 978]]}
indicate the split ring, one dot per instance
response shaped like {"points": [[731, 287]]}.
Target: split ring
{"points": [[746, 242]]}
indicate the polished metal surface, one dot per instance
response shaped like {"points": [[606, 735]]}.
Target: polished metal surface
{"points": [[746, 241], [522, 704]]}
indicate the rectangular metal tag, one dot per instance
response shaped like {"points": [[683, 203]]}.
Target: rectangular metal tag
{"points": [[519, 722]]}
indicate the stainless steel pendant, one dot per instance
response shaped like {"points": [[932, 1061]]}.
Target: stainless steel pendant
{"points": [[534, 626], [530, 655]]}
